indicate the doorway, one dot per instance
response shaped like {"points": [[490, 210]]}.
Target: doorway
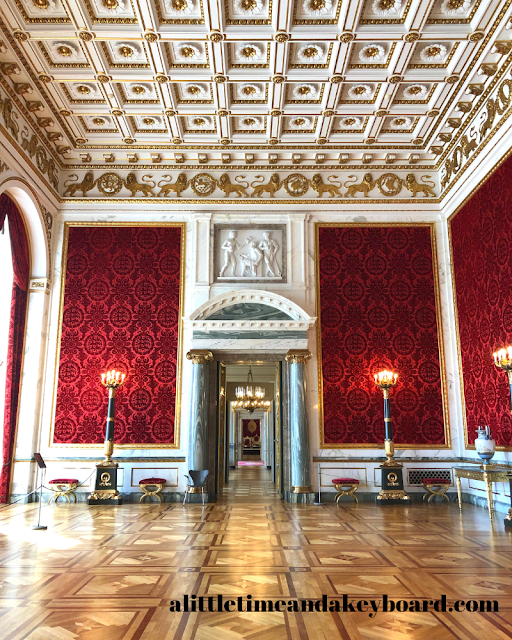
{"points": [[249, 440]]}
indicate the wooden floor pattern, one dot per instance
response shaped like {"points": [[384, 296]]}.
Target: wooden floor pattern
{"points": [[102, 573]]}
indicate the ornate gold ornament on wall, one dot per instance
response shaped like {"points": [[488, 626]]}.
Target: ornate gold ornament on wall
{"points": [[477, 36], [170, 113], [161, 78], [43, 77], [281, 36], [200, 356], [102, 77], [86, 36], [395, 79], [216, 36], [219, 78], [204, 185], [347, 36], [151, 36], [452, 79], [278, 79], [390, 185], [477, 131], [44, 162], [412, 36], [222, 113], [336, 79], [20, 35]]}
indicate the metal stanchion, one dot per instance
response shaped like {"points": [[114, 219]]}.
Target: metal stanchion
{"points": [[319, 503], [42, 466]]}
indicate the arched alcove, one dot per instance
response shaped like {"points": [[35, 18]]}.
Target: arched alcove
{"points": [[35, 224]]}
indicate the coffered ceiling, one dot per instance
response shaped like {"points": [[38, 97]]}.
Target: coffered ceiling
{"points": [[340, 80]]}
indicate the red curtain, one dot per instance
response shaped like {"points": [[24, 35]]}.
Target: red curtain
{"points": [[21, 268]]}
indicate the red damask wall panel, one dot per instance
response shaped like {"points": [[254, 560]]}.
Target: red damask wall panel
{"points": [[251, 428], [481, 235], [121, 309], [378, 310]]}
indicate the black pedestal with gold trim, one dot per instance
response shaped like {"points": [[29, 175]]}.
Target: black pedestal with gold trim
{"points": [[105, 490], [392, 491]]}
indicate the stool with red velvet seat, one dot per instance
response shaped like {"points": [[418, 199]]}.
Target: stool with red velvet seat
{"points": [[351, 485], [159, 483], [63, 487], [442, 485]]}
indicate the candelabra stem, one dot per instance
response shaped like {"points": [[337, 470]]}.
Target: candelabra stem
{"points": [[509, 373], [109, 431], [388, 424]]}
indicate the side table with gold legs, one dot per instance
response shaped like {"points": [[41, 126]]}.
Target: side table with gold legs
{"points": [[487, 474]]}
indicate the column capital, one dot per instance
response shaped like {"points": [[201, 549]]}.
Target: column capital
{"points": [[200, 356], [298, 356]]}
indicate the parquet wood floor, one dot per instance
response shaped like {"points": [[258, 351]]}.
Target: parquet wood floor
{"points": [[102, 573]]}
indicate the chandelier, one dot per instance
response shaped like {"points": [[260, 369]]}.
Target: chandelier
{"points": [[250, 398]]}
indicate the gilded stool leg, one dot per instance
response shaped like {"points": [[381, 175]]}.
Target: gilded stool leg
{"points": [[431, 492], [147, 492], [352, 488], [459, 493]]}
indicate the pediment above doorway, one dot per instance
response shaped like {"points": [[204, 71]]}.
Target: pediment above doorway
{"points": [[249, 319]]}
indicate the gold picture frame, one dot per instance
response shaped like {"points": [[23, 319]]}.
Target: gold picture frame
{"points": [[179, 363], [442, 366]]}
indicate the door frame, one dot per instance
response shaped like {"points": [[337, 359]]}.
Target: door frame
{"points": [[275, 427]]}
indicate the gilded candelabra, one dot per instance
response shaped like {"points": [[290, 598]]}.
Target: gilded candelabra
{"points": [[503, 360], [386, 380], [105, 490], [392, 491]]}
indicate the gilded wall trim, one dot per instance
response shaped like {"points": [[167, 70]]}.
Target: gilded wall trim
{"points": [[442, 365], [179, 364]]}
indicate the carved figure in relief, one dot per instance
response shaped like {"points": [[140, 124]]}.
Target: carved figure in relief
{"points": [[250, 260], [489, 118], [468, 144], [30, 146], [132, 185], [229, 247], [178, 187], [52, 173], [228, 187], [86, 185], [8, 118], [364, 187], [269, 247], [320, 187], [271, 187], [427, 188]]}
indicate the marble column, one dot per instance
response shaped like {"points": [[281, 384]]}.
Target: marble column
{"points": [[299, 432], [198, 424]]}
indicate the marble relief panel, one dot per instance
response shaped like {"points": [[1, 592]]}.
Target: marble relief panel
{"points": [[249, 253]]}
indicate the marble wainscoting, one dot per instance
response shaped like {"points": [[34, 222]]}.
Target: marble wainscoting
{"points": [[132, 469], [367, 471]]}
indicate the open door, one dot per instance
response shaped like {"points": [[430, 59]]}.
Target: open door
{"points": [[278, 444], [221, 429]]}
